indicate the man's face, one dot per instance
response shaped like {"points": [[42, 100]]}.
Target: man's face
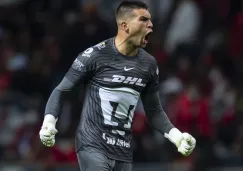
{"points": [[140, 27]]}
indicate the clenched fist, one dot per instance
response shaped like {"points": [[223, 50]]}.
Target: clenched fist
{"points": [[183, 141], [48, 131]]}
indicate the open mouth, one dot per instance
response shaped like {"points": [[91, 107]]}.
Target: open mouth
{"points": [[146, 38]]}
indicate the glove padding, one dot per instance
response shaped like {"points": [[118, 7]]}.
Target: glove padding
{"points": [[187, 144], [183, 141], [47, 134]]}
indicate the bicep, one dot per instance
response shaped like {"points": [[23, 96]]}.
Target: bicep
{"points": [[153, 84], [65, 85]]}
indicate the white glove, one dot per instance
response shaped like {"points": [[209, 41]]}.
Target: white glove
{"points": [[183, 141], [48, 131]]}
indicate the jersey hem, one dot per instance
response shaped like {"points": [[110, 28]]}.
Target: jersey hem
{"points": [[92, 149]]}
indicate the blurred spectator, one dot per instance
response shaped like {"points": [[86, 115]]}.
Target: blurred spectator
{"points": [[197, 45], [184, 26]]}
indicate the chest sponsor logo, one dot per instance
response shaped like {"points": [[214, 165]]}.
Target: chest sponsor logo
{"points": [[126, 80]]}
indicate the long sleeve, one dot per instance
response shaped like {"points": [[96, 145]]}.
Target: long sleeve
{"points": [[57, 97], [152, 105], [155, 113], [80, 72]]}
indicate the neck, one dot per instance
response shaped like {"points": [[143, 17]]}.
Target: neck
{"points": [[124, 47]]}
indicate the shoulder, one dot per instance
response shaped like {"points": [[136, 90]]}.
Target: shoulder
{"points": [[92, 56], [148, 59], [96, 50]]}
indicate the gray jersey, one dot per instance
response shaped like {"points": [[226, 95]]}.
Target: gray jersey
{"points": [[114, 85]]}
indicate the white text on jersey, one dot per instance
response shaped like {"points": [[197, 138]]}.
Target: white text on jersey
{"points": [[126, 80]]}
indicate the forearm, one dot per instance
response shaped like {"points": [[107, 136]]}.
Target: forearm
{"points": [[57, 97], [155, 113], [160, 121], [55, 102]]}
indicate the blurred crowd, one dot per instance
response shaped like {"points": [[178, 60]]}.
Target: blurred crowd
{"points": [[198, 47]]}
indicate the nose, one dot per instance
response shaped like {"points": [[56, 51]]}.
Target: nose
{"points": [[150, 24]]}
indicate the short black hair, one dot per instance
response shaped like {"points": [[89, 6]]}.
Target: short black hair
{"points": [[128, 6]]}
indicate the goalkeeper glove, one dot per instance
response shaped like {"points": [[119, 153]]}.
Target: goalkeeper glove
{"points": [[184, 142], [48, 131]]}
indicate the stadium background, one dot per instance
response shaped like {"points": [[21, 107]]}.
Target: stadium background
{"points": [[198, 46]]}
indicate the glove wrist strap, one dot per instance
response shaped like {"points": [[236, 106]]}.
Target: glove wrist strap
{"points": [[49, 119], [175, 136]]}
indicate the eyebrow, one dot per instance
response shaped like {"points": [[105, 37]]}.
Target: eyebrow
{"points": [[144, 18]]}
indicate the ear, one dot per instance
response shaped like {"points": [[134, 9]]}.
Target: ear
{"points": [[124, 26]]}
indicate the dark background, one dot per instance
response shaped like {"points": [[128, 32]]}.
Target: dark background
{"points": [[198, 45]]}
